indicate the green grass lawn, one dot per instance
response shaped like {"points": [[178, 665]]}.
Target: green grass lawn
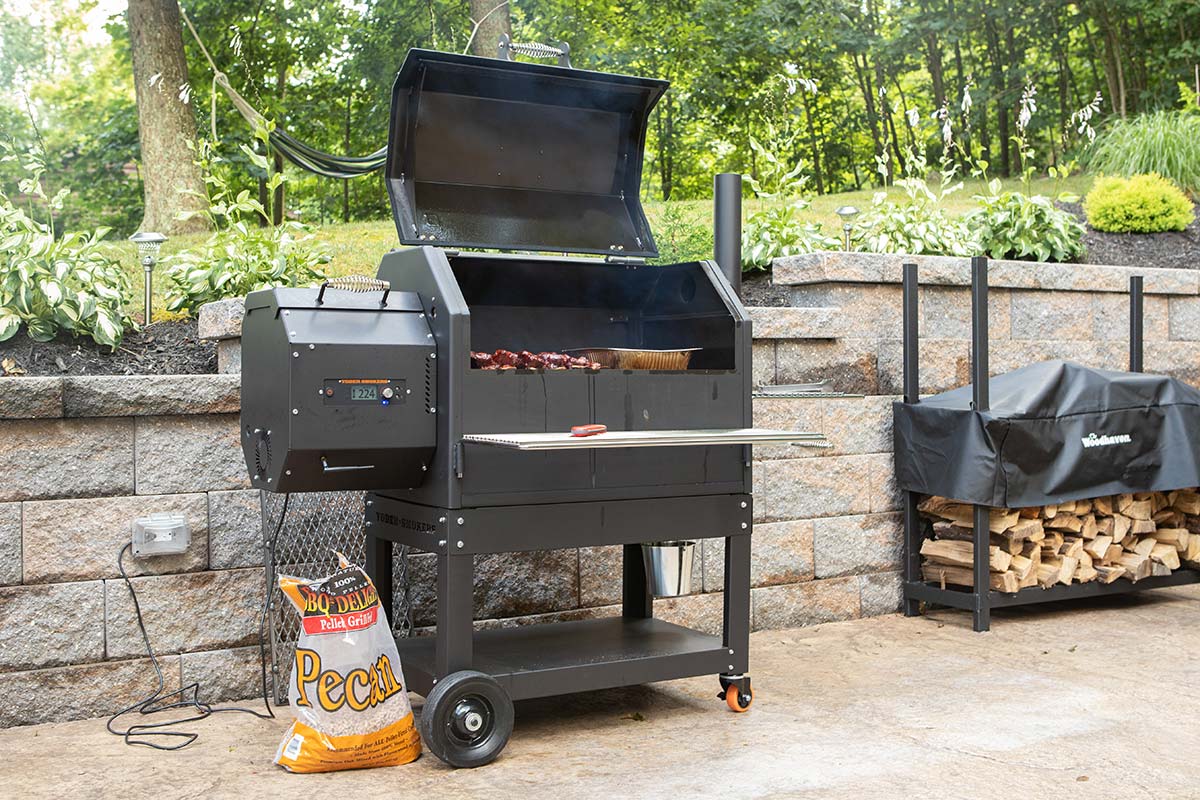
{"points": [[357, 247]]}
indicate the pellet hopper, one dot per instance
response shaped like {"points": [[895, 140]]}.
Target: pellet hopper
{"points": [[449, 385]]}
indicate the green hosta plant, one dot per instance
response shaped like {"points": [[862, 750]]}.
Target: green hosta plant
{"points": [[1021, 225], [242, 255], [1015, 225], [919, 224], [50, 284], [776, 230]]}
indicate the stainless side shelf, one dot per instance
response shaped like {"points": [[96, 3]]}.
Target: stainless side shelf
{"points": [[565, 441]]}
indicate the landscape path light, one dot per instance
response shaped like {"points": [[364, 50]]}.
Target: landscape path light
{"points": [[847, 213], [148, 244]]}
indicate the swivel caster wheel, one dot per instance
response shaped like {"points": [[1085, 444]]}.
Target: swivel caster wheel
{"points": [[737, 692], [467, 719]]}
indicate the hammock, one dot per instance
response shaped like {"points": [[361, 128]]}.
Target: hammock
{"points": [[300, 154]]}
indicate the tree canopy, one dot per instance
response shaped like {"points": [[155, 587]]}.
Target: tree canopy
{"points": [[831, 83]]}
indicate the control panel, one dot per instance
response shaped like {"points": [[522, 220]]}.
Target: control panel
{"points": [[364, 391]]}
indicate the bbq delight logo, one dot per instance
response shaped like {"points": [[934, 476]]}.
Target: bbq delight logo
{"points": [[347, 601], [1092, 440]]}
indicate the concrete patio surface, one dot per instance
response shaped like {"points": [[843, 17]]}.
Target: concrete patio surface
{"points": [[1092, 700]]}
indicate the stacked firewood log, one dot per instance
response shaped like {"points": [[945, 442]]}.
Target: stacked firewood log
{"points": [[1126, 536]]}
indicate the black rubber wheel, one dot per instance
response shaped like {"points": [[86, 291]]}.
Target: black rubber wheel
{"points": [[467, 719]]}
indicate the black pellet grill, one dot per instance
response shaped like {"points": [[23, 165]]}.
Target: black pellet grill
{"points": [[374, 389]]}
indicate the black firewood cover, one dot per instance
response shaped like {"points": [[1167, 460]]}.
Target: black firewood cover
{"points": [[1056, 431]]}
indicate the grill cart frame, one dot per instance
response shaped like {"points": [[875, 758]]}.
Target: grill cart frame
{"points": [[564, 657], [980, 599]]}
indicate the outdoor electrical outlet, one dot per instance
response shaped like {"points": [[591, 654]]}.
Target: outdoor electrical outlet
{"points": [[160, 534]]}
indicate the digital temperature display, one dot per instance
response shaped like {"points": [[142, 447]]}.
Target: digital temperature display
{"points": [[363, 391]]}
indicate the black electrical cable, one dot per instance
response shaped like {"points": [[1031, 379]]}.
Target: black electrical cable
{"points": [[266, 604], [144, 734]]}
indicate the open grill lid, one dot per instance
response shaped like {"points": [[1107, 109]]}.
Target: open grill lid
{"points": [[487, 153]]}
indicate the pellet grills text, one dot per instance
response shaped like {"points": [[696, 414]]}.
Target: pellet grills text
{"points": [[374, 389]]}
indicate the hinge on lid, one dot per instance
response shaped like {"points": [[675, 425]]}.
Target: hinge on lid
{"points": [[748, 454], [457, 460], [624, 260]]}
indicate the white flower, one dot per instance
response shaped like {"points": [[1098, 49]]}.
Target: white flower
{"points": [[791, 69], [185, 93], [943, 116], [1028, 107], [966, 98], [154, 79], [1082, 118], [914, 117]]}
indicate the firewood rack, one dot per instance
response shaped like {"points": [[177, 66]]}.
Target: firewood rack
{"points": [[980, 599]]}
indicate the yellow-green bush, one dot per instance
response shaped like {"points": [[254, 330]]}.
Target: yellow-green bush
{"points": [[1141, 204]]}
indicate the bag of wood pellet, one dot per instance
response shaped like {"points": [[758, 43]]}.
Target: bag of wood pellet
{"points": [[347, 689]]}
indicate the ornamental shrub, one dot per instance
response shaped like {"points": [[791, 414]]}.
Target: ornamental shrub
{"points": [[1166, 142], [70, 282], [1011, 224], [242, 255], [1141, 204]]}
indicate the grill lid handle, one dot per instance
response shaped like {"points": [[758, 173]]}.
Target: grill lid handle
{"points": [[507, 50], [356, 283]]}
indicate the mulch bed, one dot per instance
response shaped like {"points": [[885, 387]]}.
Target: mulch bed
{"points": [[757, 290], [164, 348], [1172, 250]]}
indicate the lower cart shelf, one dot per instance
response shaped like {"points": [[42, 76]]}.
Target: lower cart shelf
{"points": [[963, 597], [563, 657]]}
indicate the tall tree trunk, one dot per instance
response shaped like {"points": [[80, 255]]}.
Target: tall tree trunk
{"points": [[1114, 71], [933, 58], [166, 125], [495, 24], [346, 181], [999, 85], [868, 92], [814, 142], [964, 122], [274, 204]]}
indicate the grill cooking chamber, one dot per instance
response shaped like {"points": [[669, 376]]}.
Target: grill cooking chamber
{"points": [[484, 302]]}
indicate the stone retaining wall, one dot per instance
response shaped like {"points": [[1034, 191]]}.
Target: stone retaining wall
{"points": [[87, 455], [84, 457]]}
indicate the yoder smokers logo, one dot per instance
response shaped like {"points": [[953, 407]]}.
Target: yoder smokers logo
{"points": [[1092, 440]]}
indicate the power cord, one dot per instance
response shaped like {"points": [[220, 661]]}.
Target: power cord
{"points": [[145, 734], [266, 604]]}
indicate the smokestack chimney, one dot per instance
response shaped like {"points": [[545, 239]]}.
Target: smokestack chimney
{"points": [[727, 227]]}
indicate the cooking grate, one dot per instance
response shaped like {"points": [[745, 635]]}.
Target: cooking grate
{"points": [[316, 524]]}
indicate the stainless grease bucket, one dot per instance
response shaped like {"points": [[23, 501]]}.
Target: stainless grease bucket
{"points": [[669, 567]]}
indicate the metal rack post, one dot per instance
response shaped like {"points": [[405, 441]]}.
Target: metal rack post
{"points": [[981, 402], [912, 394], [1136, 324]]}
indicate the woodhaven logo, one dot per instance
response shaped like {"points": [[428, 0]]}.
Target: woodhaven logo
{"points": [[1092, 440]]}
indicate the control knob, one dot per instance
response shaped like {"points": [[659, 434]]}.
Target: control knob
{"points": [[388, 393]]}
